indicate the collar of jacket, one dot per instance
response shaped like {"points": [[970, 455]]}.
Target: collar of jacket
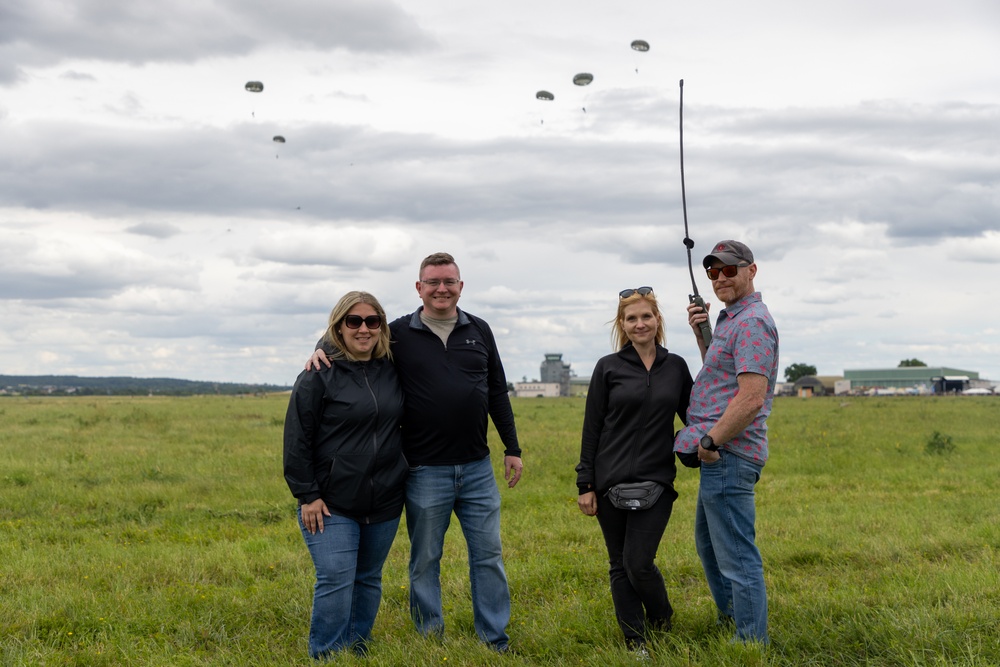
{"points": [[629, 354]]}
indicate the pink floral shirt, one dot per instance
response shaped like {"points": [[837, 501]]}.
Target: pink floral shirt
{"points": [[745, 340]]}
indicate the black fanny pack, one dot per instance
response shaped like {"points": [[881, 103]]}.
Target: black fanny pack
{"points": [[634, 495]]}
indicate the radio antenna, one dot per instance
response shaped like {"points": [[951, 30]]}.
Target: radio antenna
{"points": [[695, 298]]}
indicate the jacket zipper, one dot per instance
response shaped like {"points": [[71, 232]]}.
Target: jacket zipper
{"points": [[642, 428], [371, 481]]}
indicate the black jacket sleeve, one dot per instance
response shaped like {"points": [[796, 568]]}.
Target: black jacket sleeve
{"points": [[305, 408], [499, 399], [593, 423]]}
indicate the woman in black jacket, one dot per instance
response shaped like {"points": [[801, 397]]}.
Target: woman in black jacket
{"points": [[343, 461], [628, 432]]}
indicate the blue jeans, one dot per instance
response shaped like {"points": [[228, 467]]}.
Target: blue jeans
{"points": [[348, 557], [470, 490], [724, 535]]}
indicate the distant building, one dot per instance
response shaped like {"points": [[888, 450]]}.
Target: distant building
{"points": [[554, 369], [579, 386], [809, 385], [536, 389], [931, 379]]}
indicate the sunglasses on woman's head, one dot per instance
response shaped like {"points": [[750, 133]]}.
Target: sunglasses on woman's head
{"points": [[641, 291], [354, 321]]}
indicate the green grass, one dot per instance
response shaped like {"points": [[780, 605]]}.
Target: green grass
{"points": [[159, 531]]}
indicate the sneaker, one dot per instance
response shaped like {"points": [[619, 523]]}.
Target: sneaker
{"points": [[640, 653]]}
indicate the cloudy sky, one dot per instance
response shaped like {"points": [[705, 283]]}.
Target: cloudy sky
{"points": [[149, 225]]}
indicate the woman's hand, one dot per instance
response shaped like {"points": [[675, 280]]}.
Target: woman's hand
{"points": [[312, 515], [588, 503]]}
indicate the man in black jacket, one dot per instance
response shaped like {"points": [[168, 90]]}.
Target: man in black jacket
{"points": [[452, 379]]}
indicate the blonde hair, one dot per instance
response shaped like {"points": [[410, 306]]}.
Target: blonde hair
{"points": [[619, 339], [337, 315]]}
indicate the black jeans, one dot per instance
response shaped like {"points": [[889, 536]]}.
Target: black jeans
{"points": [[637, 588]]}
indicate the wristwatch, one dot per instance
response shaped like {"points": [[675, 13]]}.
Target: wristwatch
{"points": [[708, 443]]}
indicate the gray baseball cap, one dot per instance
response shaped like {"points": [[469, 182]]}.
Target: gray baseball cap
{"points": [[729, 252]]}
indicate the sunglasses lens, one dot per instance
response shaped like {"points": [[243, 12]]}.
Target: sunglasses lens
{"points": [[729, 271], [641, 291], [354, 321]]}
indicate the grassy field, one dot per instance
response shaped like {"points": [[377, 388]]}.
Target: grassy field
{"points": [[159, 531]]}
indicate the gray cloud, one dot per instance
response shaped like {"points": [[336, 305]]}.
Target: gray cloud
{"points": [[73, 267], [157, 230], [37, 34], [918, 188]]}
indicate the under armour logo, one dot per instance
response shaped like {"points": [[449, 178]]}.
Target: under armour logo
{"points": [[469, 341]]}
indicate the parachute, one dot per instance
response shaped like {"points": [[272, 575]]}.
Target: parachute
{"points": [[254, 86], [279, 139], [583, 79], [640, 45], [544, 95]]}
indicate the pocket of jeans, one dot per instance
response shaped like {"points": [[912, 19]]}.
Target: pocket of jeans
{"points": [[748, 474], [415, 468]]}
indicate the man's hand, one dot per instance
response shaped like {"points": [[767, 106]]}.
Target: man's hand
{"points": [[317, 357], [512, 468], [706, 456], [587, 502], [696, 316]]}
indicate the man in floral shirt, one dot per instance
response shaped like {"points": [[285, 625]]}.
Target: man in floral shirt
{"points": [[726, 436]]}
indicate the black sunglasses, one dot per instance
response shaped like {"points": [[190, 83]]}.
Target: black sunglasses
{"points": [[641, 291], [729, 271], [354, 321]]}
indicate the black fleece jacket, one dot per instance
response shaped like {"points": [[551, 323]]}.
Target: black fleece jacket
{"points": [[628, 426], [343, 441]]}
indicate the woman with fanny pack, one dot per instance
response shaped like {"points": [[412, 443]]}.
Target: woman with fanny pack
{"points": [[626, 472]]}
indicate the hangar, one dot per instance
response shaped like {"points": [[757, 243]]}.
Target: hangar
{"points": [[935, 379]]}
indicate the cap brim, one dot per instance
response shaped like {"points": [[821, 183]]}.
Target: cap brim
{"points": [[724, 257]]}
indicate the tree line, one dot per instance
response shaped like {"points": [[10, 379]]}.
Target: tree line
{"points": [[38, 385]]}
